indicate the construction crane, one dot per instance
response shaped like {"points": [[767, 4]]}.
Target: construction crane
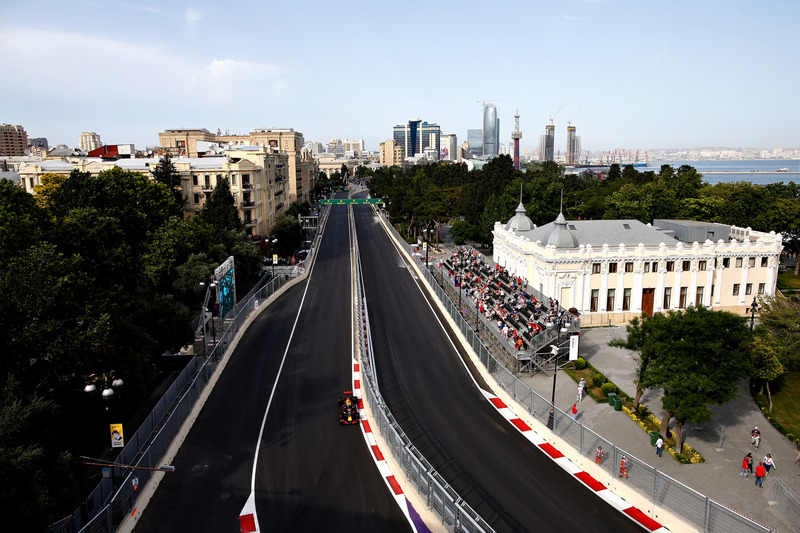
{"points": [[554, 116], [483, 102], [569, 122]]}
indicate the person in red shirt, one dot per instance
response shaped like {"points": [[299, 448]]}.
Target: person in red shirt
{"points": [[746, 465], [623, 467], [574, 411], [760, 473]]}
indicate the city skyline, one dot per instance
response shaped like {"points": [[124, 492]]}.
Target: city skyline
{"points": [[676, 75]]}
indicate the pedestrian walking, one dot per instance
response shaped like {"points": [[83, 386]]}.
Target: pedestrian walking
{"points": [[574, 411], [760, 473], [623, 467], [598, 455], [747, 465], [755, 437], [768, 464], [659, 446], [582, 386]]}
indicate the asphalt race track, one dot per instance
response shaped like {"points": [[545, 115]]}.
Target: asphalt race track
{"points": [[510, 483], [312, 473]]}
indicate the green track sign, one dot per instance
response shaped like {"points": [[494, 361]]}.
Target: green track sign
{"points": [[351, 201]]}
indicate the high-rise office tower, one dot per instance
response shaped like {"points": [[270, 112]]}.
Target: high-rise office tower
{"points": [[573, 146], [491, 130], [475, 140], [417, 135], [547, 143], [449, 147]]}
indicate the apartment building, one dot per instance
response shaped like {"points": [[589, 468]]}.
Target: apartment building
{"points": [[614, 270], [302, 170], [391, 153], [257, 176], [13, 140]]}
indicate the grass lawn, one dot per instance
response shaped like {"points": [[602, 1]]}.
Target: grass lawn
{"points": [[788, 283], [785, 402]]}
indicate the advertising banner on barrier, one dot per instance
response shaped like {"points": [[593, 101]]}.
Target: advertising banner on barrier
{"points": [[117, 438]]}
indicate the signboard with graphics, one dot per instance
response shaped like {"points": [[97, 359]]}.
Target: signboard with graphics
{"points": [[226, 283], [117, 438], [351, 201], [573, 346]]}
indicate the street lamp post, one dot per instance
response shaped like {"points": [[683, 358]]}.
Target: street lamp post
{"points": [[203, 311], [753, 310], [272, 249], [109, 381], [555, 349]]}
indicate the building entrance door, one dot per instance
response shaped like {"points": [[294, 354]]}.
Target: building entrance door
{"points": [[647, 301]]}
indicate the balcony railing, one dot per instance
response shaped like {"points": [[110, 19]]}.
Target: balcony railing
{"points": [[246, 186], [278, 193], [248, 204], [250, 222]]}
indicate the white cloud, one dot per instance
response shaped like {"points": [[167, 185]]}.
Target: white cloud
{"points": [[91, 71], [192, 16], [228, 79], [137, 7]]}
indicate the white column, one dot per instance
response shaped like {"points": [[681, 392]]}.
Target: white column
{"points": [[676, 287], [658, 304], [709, 283], [638, 286], [743, 296], [692, 296], [604, 291], [718, 283]]}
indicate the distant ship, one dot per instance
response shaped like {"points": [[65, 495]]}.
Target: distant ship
{"points": [[783, 170]]}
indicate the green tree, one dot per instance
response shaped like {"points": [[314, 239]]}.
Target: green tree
{"points": [[784, 216], [220, 210], [21, 221], [166, 174], [639, 332], [613, 175], [36, 476], [698, 357], [48, 182], [461, 231], [780, 317], [363, 172], [289, 233], [767, 365]]}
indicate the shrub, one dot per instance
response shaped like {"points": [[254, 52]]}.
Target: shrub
{"points": [[608, 388], [580, 363], [598, 380]]}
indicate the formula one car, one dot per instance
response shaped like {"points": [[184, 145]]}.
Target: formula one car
{"points": [[348, 410]]}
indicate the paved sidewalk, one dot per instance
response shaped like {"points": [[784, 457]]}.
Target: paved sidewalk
{"points": [[719, 477], [723, 442]]}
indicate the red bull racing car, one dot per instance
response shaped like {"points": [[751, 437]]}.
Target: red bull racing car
{"points": [[348, 410]]}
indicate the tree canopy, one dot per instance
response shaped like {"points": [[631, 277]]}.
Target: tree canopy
{"points": [[696, 356], [100, 273], [490, 194]]}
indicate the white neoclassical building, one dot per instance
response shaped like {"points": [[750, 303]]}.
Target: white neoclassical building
{"points": [[615, 270]]}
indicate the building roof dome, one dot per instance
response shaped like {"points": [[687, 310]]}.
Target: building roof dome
{"points": [[520, 221], [561, 237]]}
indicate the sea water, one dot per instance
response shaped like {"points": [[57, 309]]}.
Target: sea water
{"points": [[756, 171]]}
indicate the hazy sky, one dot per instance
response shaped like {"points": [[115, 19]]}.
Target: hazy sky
{"points": [[639, 73]]}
